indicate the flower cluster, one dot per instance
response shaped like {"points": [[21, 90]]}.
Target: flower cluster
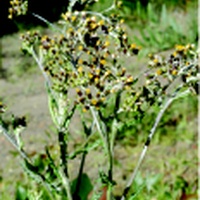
{"points": [[178, 61], [18, 7], [181, 65], [85, 57]]}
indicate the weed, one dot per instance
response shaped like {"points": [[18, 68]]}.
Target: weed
{"points": [[84, 57]]}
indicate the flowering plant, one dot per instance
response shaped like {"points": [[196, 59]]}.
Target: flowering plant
{"points": [[84, 73]]}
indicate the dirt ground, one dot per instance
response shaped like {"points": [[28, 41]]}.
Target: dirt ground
{"points": [[25, 95]]}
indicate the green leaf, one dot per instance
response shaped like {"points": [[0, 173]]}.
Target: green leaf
{"points": [[152, 16], [85, 187], [31, 167], [152, 37], [53, 106], [21, 193], [145, 36], [151, 181], [164, 16], [69, 116]]}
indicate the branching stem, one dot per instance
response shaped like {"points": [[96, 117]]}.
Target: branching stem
{"points": [[147, 143]]}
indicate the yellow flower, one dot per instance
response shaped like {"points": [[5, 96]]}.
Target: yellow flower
{"points": [[129, 80], [90, 75], [98, 43], [96, 80], [93, 26], [88, 52], [86, 108], [174, 72], [155, 60], [121, 21], [73, 18], [107, 43], [10, 16], [180, 48], [80, 61], [103, 99], [127, 87], [80, 47], [78, 91], [133, 46], [159, 72], [101, 22], [103, 61], [94, 102], [187, 63], [174, 53], [80, 69], [107, 73], [97, 71], [87, 91]]}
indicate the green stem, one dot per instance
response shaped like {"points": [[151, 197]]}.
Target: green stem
{"points": [[66, 184], [110, 167], [111, 155], [94, 115], [110, 144], [63, 151], [149, 138], [63, 157], [80, 171], [106, 141]]}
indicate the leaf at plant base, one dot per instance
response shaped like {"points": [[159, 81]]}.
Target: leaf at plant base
{"points": [[85, 187], [31, 167], [21, 193]]}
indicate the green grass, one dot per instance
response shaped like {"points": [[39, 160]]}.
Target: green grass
{"points": [[162, 31], [158, 26]]}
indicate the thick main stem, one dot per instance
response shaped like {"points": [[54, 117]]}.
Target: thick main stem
{"points": [[110, 167], [63, 157], [80, 172], [63, 151]]}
